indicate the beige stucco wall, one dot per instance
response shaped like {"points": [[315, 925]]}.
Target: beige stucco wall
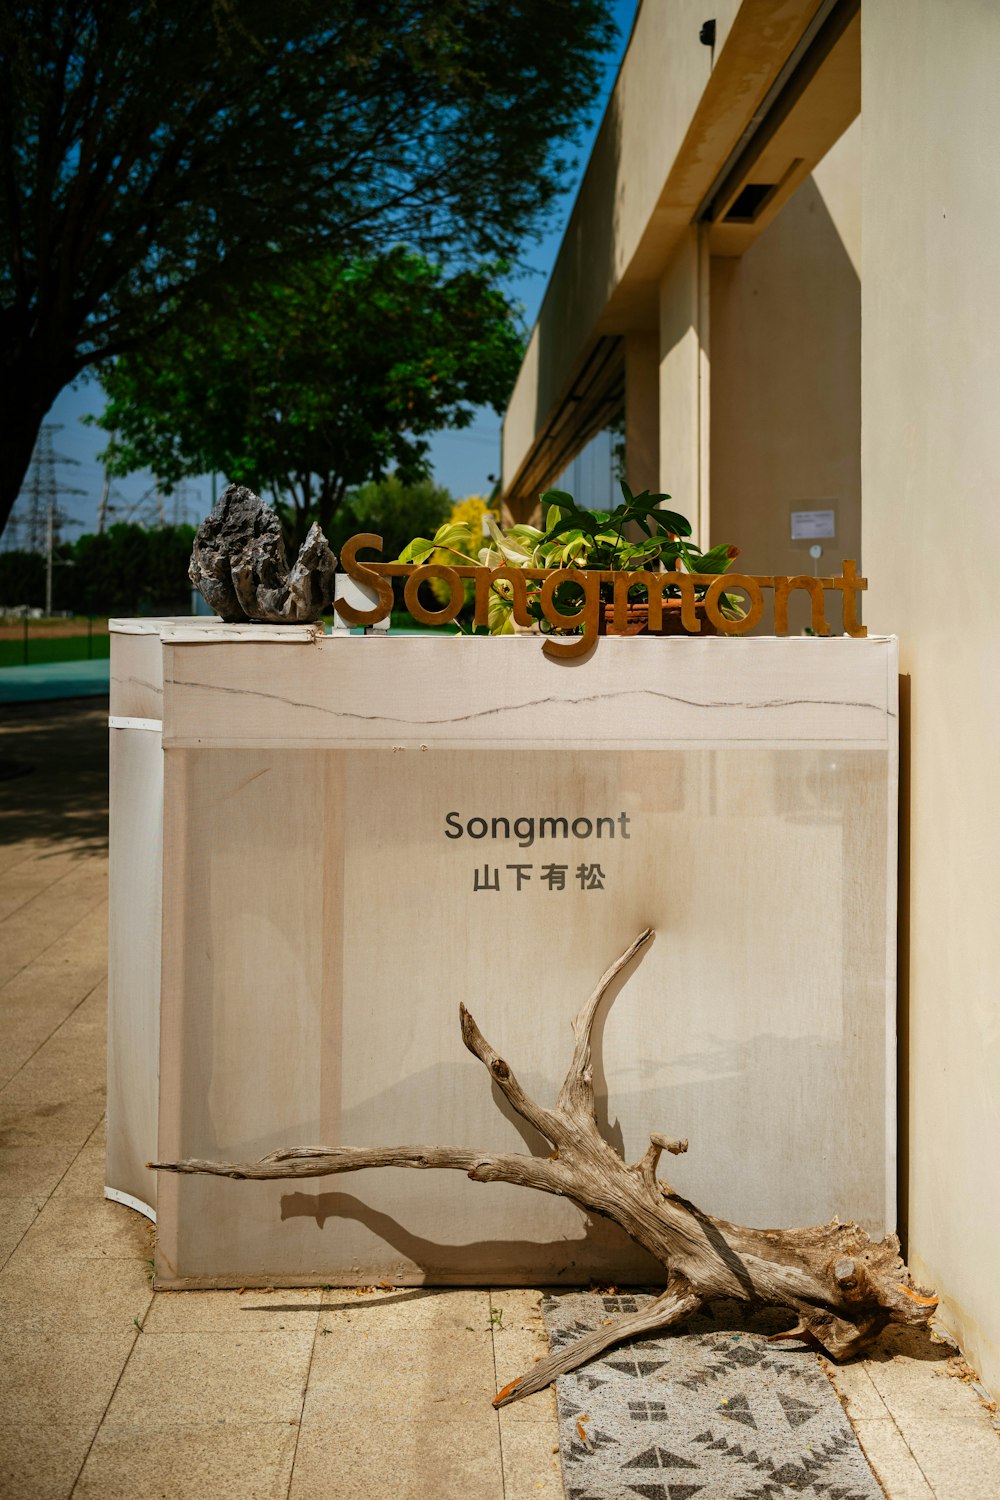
{"points": [[931, 474], [683, 382], [642, 409], [660, 83], [785, 342]]}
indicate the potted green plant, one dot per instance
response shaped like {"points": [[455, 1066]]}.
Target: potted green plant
{"points": [[606, 540], [590, 539]]}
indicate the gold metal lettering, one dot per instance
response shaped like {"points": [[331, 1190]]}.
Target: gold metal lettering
{"points": [[411, 594], [368, 577], [485, 579], [376, 575], [713, 608], [783, 587], [655, 584], [589, 616], [850, 586]]}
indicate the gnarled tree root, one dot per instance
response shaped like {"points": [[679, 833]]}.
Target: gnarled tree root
{"points": [[842, 1287]]}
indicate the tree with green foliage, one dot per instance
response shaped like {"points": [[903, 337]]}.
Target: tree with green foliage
{"points": [[390, 508], [129, 570], [126, 570], [157, 159], [302, 387]]}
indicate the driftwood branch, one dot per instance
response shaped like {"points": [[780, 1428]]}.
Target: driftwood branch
{"points": [[671, 1307], [841, 1286], [576, 1097]]}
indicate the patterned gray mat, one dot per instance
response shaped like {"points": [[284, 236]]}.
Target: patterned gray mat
{"points": [[712, 1410]]}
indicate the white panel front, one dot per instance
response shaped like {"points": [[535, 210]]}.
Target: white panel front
{"points": [[332, 908]]}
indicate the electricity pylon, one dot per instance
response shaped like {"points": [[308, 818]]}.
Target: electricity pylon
{"points": [[41, 517]]}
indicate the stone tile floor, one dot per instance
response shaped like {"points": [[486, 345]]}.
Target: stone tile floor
{"points": [[110, 1389]]}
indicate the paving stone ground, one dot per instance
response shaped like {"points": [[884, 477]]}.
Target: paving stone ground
{"points": [[110, 1390]]}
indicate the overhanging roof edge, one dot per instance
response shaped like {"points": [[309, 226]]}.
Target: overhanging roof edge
{"points": [[763, 35]]}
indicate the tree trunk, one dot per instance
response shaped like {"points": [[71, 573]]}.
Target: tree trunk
{"points": [[28, 387], [842, 1287], [22, 417]]}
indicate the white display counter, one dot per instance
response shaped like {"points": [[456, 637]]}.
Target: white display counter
{"points": [[322, 844]]}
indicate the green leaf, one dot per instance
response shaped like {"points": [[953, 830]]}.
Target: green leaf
{"points": [[716, 560], [669, 551], [580, 524], [452, 535], [643, 551], [500, 615], [669, 520], [513, 552], [562, 498], [417, 551]]}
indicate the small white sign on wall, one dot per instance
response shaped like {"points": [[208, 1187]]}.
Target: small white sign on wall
{"points": [[813, 525]]}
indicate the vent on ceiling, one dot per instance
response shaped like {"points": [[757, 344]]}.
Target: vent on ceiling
{"points": [[749, 201]]}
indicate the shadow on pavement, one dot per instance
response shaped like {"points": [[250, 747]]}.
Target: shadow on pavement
{"points": [[54, 775]]}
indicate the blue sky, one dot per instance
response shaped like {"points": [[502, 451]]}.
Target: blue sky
{"points": [[462, 460]]}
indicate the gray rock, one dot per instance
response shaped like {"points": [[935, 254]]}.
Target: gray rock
{"points": [[239, 567]]}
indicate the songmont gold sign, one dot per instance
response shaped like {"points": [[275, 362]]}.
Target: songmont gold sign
{"points": [[699, 595]]}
